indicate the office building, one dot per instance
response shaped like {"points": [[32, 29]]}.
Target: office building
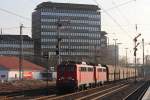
{"points": [[77, 26], [10, 45]]}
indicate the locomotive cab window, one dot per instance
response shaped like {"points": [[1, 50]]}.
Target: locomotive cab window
{"points": [[90, 69], [104, 70], [62, 68], [70, 68], [83, 69], [99, 70]]}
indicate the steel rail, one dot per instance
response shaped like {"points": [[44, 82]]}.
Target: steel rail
{"points": [[135, 91], [82, 93], [111, 90]]}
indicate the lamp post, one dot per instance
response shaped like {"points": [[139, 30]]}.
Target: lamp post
{"points": [[118, 51], [126, 56], [143, 50], [118, 56], [59, 24], [142, 68], [115, 59], [126, 60]]}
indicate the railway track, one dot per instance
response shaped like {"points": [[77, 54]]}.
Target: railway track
{"points": [[29, 94], [124, 92], [100, 94], [104, 92], [45, 97], [138, 93], [80, 95]]}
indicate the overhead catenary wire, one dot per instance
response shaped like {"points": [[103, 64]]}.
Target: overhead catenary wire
{"points": [[15, 27], [120, 5], [15, 14], [123, 16], [113, 19], [8, 28]]}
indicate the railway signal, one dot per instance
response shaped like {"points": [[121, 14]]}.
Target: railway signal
{"points": [[135, 50], [59, 25]]}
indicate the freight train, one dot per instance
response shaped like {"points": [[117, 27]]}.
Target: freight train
{"points": [[79, 76]]}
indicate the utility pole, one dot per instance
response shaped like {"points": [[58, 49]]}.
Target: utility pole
{"points": [[143, 50], [126, 56], [135, 49], [59, 24], [69, 51], [21, 54], [127, 60], [47, 65], [69, 46], [95, 47], [143, 57], [115, 59]]}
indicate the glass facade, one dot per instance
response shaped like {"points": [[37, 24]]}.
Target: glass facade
{"points": [[79, 31], [10, 45]]}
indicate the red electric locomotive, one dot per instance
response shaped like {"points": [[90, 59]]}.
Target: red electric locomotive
{"points": [[73, 76], [100, 74]]}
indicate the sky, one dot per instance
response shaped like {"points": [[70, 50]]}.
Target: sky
{"points": [[119, 18]]}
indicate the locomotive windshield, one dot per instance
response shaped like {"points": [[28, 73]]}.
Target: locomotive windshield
{"points": [[70, 68], [62, 68], [67, 68]]}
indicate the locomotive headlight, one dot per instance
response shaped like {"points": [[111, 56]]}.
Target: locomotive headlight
{"points": [[73, 79], [70, 78], [61, 78]]}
